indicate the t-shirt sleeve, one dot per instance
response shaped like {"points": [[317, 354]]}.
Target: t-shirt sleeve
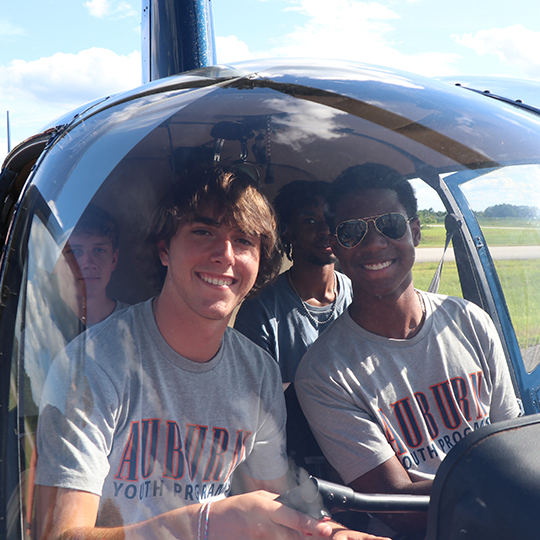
{"points": [[349, 436], [74, 434], [253, 321], [268, 458]]}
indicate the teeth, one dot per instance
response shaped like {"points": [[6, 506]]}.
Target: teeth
{"points": [[377, 266], [217, 281]]}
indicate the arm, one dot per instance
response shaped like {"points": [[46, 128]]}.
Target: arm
{"points": [[71, 515], [391, 477], [275, 522]]}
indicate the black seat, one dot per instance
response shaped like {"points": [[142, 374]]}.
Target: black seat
{"points": [[302, 447], [304, 450], [488, 487]]}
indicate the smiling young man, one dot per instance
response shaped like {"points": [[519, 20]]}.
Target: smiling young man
{"points": [[289, 315], [146, 416], [79, 294], [86, 264], [402, 375]]}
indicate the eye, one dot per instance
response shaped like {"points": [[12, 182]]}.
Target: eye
{"points": [[101, 252], [245, 242], [200, 232], [310, 221], [73, 252]]}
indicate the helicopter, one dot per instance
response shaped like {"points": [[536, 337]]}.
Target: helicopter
{"points": [[282, 120]]}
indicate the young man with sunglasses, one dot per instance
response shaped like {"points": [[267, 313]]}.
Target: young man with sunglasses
{"points": [[402, 375]]}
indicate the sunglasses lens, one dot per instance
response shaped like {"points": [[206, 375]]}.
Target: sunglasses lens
{"points": [[350, 233], [393, 226]]}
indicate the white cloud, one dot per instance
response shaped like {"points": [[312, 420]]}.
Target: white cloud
{"points": [[519, 185], [349, 30], [98, 8], [37, 92], [231, 49], [345, 16], [8, 29], [70, 78], [513, 45], [109, 8], [304, 123]]}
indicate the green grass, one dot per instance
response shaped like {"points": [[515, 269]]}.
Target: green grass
{"points": [[520, 281], [499, 236], [432, 236], [512, 237], [423, 274]]}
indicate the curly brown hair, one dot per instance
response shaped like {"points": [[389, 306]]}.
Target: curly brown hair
{"points": [[369, 176], [237, 202]]}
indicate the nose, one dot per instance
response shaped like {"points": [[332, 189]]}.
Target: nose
{"points": [[373, 240], [223, 251], [85, 260], [323, 229]]}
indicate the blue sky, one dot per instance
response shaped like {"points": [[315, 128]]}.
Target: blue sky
{"points": [[58, 54]]}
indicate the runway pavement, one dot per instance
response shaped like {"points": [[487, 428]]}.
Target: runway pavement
{"points": [[497, 252]]}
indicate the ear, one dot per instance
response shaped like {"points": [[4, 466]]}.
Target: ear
{"points": [[334, 244], [416, 231], [163, 250], [287, 233], [115, 260]]}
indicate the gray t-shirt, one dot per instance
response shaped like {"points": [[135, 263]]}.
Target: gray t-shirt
{"points": [[368, 398], [44, 339], [126, 417], [276, 320]]}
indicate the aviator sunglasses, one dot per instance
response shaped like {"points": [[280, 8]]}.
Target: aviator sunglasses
{"points": [[392, 225]]}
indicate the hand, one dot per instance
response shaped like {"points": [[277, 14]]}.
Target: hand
{"points": [[346, 534], [257, 515]]}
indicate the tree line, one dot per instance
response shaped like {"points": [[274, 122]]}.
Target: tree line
{"points": [[429, 216], [510, 210]]}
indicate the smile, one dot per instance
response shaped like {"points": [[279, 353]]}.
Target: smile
{"points": [[377, 266], [222, 282]]}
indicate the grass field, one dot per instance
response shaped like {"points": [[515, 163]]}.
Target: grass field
{"points": [[520, 281], [434, 236], [423, 274]]}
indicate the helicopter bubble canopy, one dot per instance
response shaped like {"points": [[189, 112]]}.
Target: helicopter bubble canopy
{"points": [[279, 121], [299, 121], [282, 121]]}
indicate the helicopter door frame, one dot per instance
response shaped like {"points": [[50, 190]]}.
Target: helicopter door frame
{"points": [[472, 254]]}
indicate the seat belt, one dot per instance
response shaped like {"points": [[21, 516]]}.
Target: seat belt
{"points": [[452, 224]]}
